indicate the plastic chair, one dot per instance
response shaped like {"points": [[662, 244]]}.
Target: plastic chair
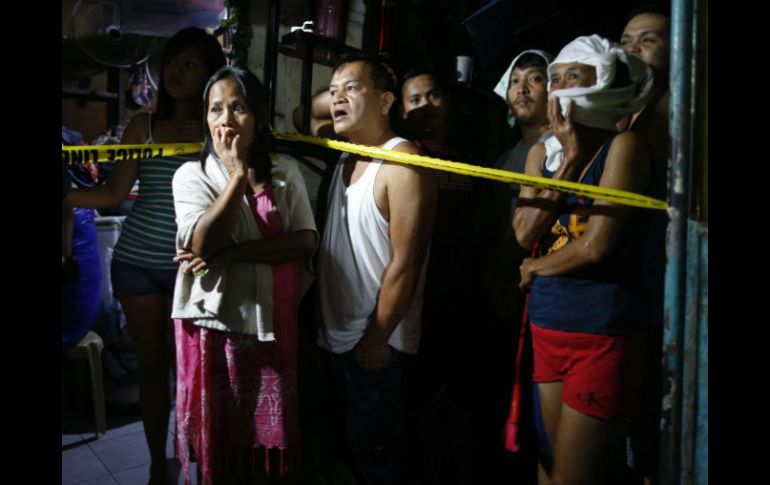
{"points": [[91, 348]]}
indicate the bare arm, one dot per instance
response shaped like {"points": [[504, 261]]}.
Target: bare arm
{"points": [[122, 177], [627, 168], [412, 199], [321, 123], [537, 208]]}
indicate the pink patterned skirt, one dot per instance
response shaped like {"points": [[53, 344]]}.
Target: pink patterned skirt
{"points": [[235, 394]]}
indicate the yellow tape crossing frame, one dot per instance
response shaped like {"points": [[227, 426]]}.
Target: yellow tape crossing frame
{"points": [[110, 153]]}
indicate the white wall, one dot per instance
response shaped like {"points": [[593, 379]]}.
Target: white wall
{"points": [[289, 70]]}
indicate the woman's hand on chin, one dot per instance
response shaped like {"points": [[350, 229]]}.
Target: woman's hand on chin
{"points": [[230, 150]]}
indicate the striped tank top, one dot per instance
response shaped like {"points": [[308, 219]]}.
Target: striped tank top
{"points": [[148, 237]]}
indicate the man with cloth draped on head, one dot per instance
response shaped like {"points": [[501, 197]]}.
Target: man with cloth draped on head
{"points": [[524, 87], [586, 300]]}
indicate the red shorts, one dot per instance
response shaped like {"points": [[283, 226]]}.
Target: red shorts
{"points": [[601, 374]]}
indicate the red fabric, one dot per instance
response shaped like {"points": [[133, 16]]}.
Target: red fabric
{"points": [[601, 374], [234, 391], [512, 442]]}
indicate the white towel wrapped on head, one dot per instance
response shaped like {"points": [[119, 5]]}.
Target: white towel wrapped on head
{"points": [[599, 106], [501, 88]]}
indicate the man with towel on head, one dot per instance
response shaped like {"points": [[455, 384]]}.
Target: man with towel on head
{"points": [[524, 87], [586, 292]]}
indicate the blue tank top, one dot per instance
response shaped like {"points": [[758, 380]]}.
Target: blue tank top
{"points": [[605, 297]]}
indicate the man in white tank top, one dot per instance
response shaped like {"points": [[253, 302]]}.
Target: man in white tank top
{"points": [[371, 271]]}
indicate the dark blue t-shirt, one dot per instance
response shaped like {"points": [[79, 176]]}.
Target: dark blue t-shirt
{"points": [[604, 297]]}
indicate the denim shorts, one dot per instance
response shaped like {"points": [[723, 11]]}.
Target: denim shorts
{"points": [[132, 280]]}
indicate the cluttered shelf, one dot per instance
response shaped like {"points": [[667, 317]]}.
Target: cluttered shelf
{"points": [[325, 50]]}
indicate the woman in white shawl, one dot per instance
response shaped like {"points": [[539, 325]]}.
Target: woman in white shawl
{"points": [[585, 288], [245, 237]]}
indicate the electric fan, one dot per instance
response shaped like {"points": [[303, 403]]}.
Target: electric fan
{"points": [[98, 30]]}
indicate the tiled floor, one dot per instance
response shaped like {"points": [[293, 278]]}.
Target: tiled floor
{"points": [[119, 457]]}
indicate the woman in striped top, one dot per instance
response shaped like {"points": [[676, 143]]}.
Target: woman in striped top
{"points": [[143, 270]]}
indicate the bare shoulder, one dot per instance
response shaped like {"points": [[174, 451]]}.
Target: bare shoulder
{"points": [[401, 172], [537, 150], [625, 140], [535, 157], [407, 147], [136, 131], [400, 176], [628, 154]]}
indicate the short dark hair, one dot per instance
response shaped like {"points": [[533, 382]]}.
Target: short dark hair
{"points": [[530, 59], [256, 98], [660, 8], [419, 70], [381, 76], [188, 37], [422, 70]]}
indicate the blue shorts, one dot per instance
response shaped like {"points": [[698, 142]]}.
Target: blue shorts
{"points": [[132, 280]]}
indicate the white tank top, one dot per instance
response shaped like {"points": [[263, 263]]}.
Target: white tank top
{"points": [[355, 252]]}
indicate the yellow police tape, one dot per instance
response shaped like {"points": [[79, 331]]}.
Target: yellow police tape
{"points": [[111, 153], [72, 155], [612, 195]]}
